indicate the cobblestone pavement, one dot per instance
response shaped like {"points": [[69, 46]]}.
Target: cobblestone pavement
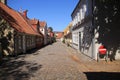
{"points": [[57, 62]]}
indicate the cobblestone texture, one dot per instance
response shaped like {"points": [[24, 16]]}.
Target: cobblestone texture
{"points": [[57, 62]]}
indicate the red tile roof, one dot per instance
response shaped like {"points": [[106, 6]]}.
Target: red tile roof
{"points": [[42, 24], [34, 21], [16, 20]]}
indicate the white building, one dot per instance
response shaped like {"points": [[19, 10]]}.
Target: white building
{"points": [[88, 31], [43, 29]]}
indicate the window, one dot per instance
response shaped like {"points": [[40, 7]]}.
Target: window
{"points": [[78, 17], [19, 42], [74, 22], [81, 14], [75, 19], [85, 8]]}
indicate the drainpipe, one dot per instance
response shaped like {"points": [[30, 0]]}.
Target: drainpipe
{"points": [[93, 40]]}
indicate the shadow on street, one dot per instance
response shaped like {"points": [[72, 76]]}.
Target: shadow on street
{"points": [[12, 69], [103, 75]]}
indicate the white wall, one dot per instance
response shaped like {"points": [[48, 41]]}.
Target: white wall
{"points": [[44, 32]]}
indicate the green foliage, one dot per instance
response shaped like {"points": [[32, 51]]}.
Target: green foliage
{"points": [[6, 37], [51, 29], [63, 40]]}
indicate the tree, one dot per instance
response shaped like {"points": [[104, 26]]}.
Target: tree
{"points": [[50, 29]]}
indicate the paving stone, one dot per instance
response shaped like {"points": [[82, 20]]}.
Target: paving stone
{"points": [[57, 62]]}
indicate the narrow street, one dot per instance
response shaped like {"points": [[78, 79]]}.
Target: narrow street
{"points": [[86, 32], [57, 62]]}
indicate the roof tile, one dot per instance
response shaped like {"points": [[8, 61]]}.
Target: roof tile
{"points": [[16, 20]]}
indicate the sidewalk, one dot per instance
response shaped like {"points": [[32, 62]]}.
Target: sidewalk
{"points": [[92, 65], [96, 70]]}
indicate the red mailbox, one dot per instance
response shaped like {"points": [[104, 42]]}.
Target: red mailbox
{"points": [[102, 50]]}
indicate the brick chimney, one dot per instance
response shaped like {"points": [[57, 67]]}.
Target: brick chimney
{"points": [[25, 13], [4, 1]]}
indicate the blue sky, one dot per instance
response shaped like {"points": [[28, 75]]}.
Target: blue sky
{"points": [[57, 13]]}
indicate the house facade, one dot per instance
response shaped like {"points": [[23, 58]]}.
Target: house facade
{"points": [[36, 27], [58, 34], [44, 31], [92, 27], [16, 34], [68, 34]]}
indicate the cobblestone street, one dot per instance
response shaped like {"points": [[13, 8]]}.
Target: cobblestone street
{"points": [[57, 62], [60, 40]]}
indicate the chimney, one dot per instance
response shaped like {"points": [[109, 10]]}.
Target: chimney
{"points": [[4, 1], [25, 13]]}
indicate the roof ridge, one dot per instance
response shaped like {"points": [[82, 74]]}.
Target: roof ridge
{"points": [[20, 24]]}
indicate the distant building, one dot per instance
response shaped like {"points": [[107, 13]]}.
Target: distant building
{"points": [[35, 24], [58, 34], [68, 34], [44, 31], [36, 27]]}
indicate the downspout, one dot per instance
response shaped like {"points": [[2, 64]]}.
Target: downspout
{"points": [[93, 40]]}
